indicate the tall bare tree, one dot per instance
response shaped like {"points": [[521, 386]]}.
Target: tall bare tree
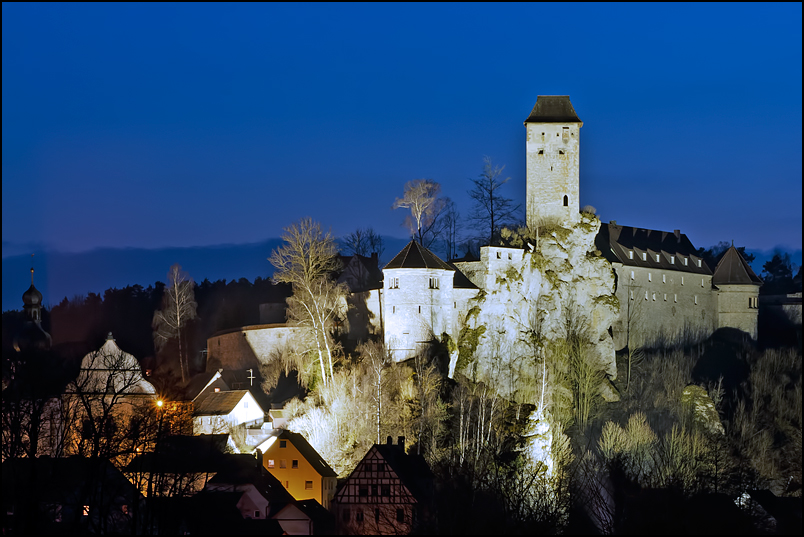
{"points": [[307, 261], [425, 222], [451, 216], [178, 307], [491, 209], [364, 241]]}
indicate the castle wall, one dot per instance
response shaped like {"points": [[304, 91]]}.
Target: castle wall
{"points": [[246, 347], [662, 306], [413, 311], [494, 262], [553, 167], [738, 307]]}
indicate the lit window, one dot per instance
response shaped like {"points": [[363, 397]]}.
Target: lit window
{"points": [[685, 261], [86, 510], [657, 258], [124, 509], [644, 256], [283, 443], [630, 254], [699, 263], [217, 390], [294, 463], [308, 485], [672, 260], [270, 463], [283, 463]]}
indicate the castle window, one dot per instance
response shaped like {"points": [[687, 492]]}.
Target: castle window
{"points": [[646, 295], [565, 132], [632, 295], [630, 254], [541, 151], [650, 277], [393, 283], [632, 274], [702, 282], [654, 297], [685, 261], [433, 283], [664, 278], [665, 297], [393, 310], [566, 201], [455, 305], [672, 260], [657, 258], [644, 256], [499, 255], [509, 257], [675, 298], [696, 300], [420, 309], [699, 263], [561, 152], [682, 280]]}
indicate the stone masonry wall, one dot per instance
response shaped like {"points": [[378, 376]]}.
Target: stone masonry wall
{"points": [[553, 166]]}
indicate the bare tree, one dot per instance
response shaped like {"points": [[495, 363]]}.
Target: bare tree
{"points": [[426, 208], [364, 241], [491, 210], [178, 307], [451, 216], [307, 261]]}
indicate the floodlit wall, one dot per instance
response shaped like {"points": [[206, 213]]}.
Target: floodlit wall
{"points": [[553, 165], [738, 307], [662, 306], [248, 346]]}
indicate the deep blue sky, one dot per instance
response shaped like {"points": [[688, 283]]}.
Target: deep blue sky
{"points": [[154, 125]]}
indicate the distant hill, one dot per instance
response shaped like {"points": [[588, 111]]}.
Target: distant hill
{"points": [[59, 275]]}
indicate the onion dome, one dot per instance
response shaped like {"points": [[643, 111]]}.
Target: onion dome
{"points": [[32, 297], [32, 337]]}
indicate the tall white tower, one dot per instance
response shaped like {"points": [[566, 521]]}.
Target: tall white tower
{"points": [[553, 161]]}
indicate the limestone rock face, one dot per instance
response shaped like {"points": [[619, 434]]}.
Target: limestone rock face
{"points": [[703, 408], [529, 302]]}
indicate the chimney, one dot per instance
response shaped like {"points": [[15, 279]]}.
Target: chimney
{"points": [[375, 262], [389, 441], [400, 440], [677, 233]]}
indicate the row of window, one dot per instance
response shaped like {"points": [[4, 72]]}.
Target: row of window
{"points": [[374, 490], [283, 463], [560, 152], [454, 306], [658, 258], [359, 517], [393, 283], [653, 296], [664, 278]]}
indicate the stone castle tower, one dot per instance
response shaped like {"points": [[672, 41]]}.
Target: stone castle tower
{"points": [[553, 160]]}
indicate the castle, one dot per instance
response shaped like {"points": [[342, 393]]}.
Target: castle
{"points": [[663, 290]]}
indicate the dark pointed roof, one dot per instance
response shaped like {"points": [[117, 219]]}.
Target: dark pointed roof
{"points": [[733, 269], [414, 255], [308, 452], [553, 109]]}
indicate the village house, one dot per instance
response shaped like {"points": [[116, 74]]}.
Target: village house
{"points": [[388, 493], [299, 467]]}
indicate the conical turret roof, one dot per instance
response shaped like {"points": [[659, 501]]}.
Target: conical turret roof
{"points": [[734, 270], [414, 255]]}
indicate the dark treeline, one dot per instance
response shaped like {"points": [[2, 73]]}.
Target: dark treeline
{"points": [[84, 321]]}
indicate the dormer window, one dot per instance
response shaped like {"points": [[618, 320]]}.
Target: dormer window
{"points": [[657, 258], [630, 254], [685, 261], [699, 263], [644, 256], [672, 260]]}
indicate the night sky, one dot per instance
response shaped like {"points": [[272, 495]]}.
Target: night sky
{"points": [[156, 125]]}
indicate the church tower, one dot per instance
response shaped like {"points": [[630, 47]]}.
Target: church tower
{"points": [[553, 161]]}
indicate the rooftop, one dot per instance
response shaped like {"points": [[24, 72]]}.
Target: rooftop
{"points": [[553, 109], [414, 255]]}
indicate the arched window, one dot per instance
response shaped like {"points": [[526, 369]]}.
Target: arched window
{"points": [[566, 201]]}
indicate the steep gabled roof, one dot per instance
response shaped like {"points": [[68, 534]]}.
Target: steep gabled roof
{"points": [[218, 403], [618, 243], [414, 255], [553, 109], [733, 269], [308, 452], [411, 469]]}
